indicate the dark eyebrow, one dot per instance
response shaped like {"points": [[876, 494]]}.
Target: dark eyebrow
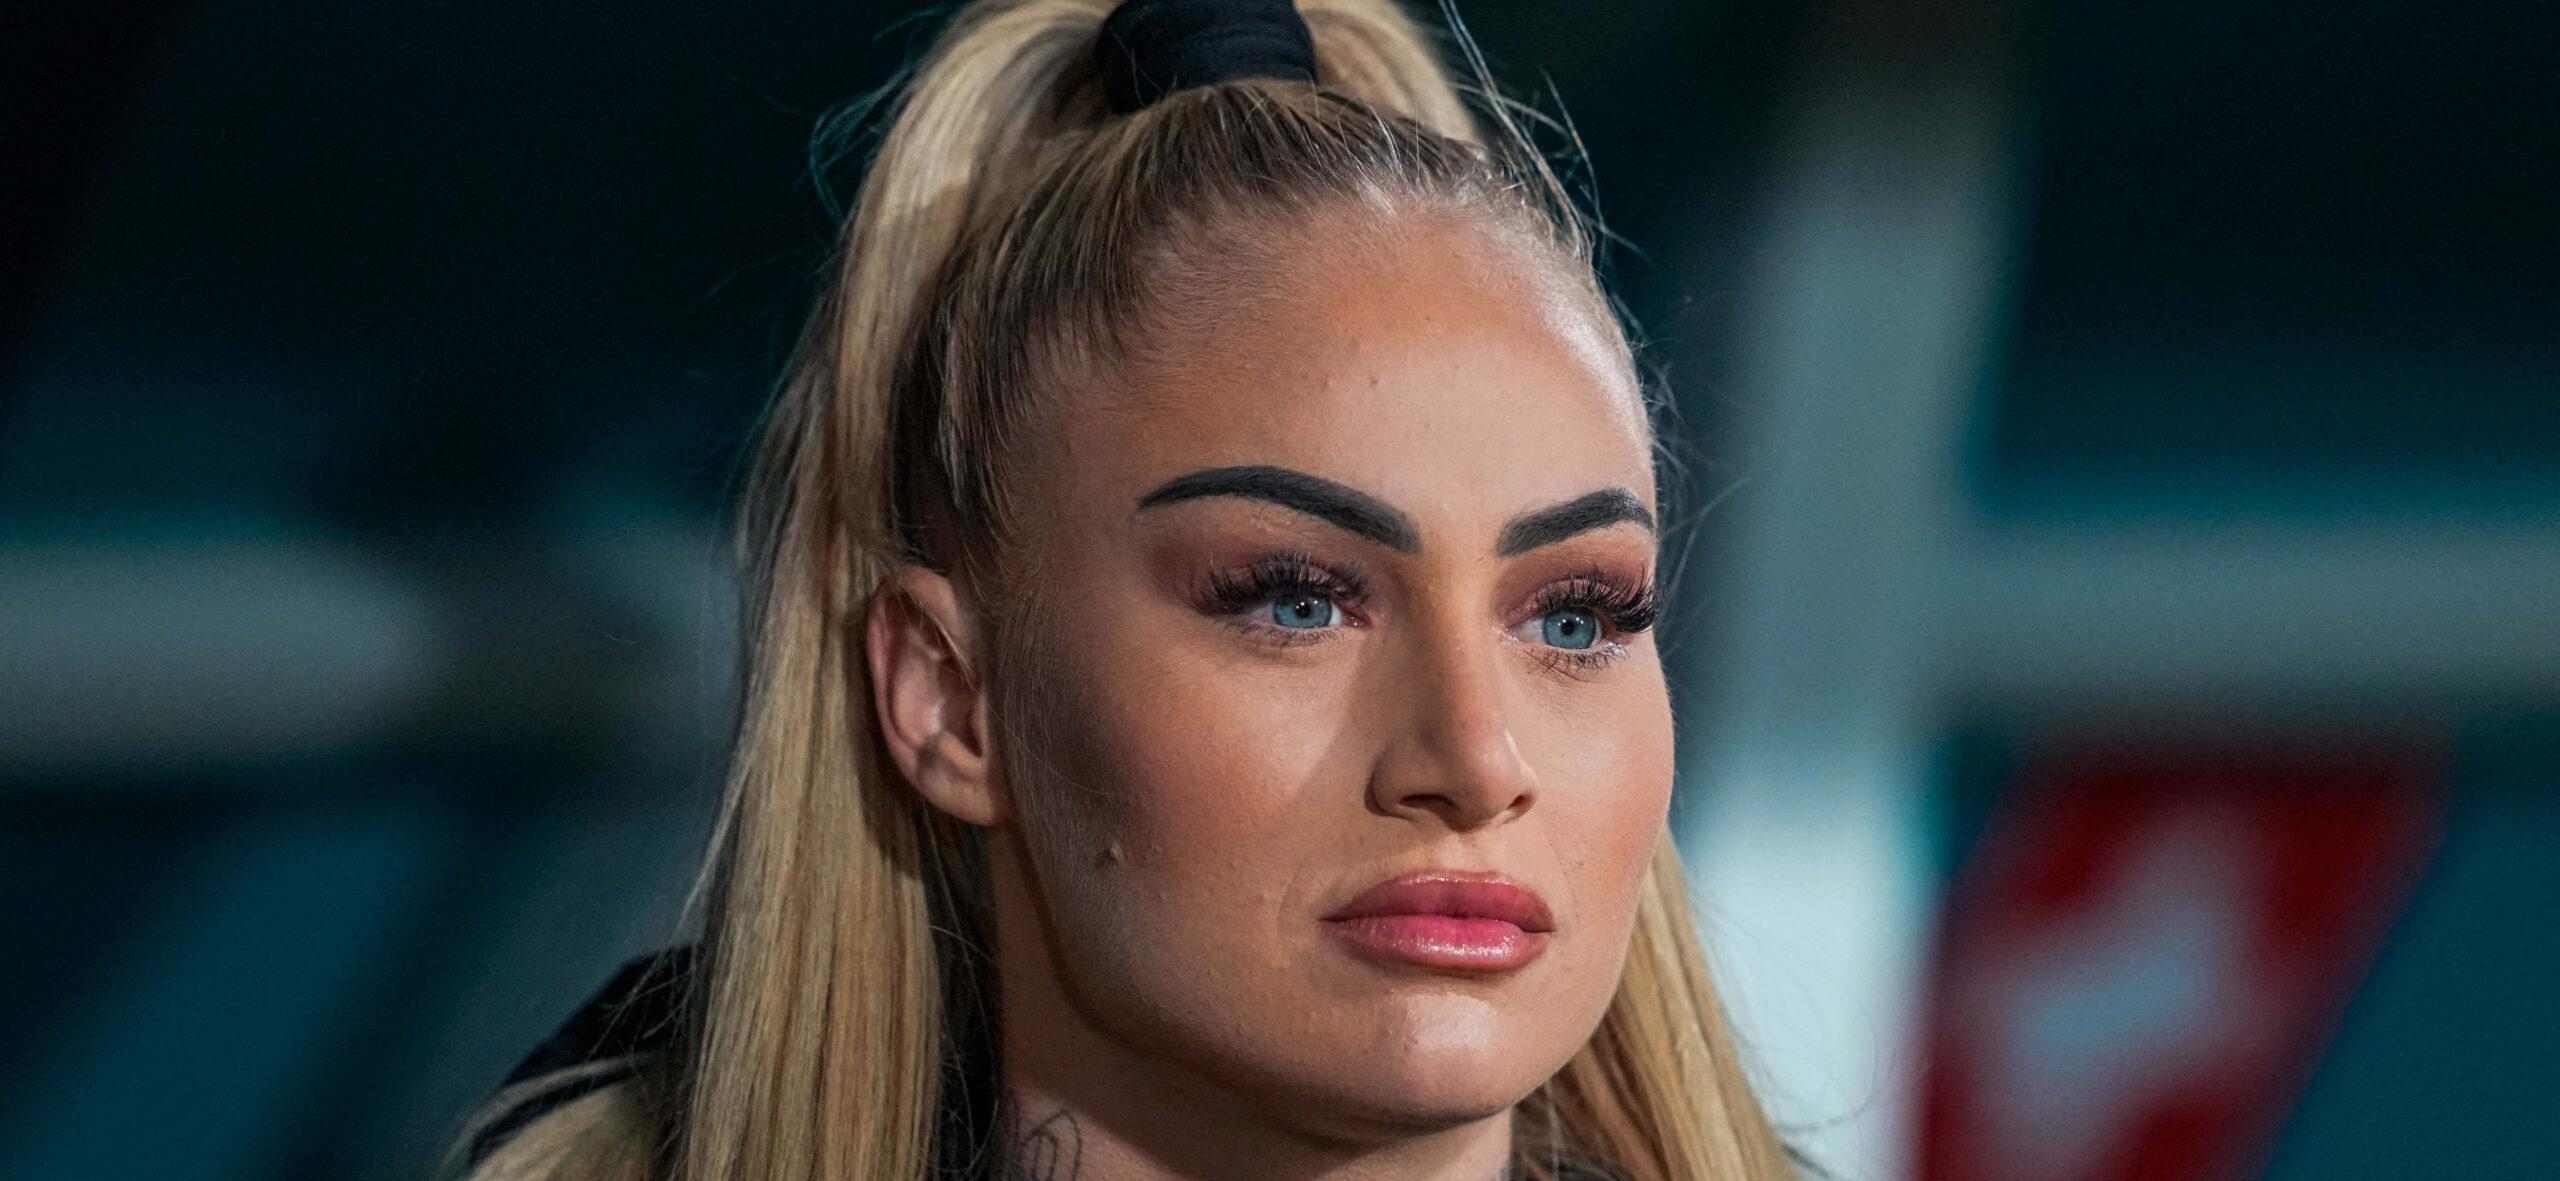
{"points": [[1554, 523], [1342, 506]]}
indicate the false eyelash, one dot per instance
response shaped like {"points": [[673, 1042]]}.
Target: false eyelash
{"points": [[1628, 609], [1228, 591]]}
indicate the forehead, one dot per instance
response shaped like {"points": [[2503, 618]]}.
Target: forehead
{"points": [[1458, 374]]}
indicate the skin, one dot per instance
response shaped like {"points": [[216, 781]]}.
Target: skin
{"points": [[1165, 840]]}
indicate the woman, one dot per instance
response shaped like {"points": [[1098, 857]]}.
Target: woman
{"points": [[1203, 721]]}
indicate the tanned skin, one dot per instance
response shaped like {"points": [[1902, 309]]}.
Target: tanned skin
{"points": [[1432, 440]]}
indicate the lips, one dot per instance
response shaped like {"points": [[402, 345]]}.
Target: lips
{"points": [[1445, 920]]}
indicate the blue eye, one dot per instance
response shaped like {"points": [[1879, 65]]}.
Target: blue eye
{"points": [[1304, 611], [1571, 627]]}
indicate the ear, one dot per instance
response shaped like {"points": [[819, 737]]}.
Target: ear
{"points": [[921, 641]]}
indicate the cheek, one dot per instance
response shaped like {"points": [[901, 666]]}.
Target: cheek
{"points": [[1190, 813], [1609, 773], [1180, 794], [1178, 863]]}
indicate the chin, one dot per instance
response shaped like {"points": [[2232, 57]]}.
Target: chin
{"points": [[1424, 1096], [1443, 1061]]}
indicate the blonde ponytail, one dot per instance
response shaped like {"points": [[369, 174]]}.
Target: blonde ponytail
{"points": [[821, 1034], [838, 1029]]}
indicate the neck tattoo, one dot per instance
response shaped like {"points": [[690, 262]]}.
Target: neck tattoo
{"points": [[1053, 1150]]}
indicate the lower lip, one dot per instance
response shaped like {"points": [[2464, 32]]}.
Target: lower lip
{"points": [[1441, 941]]}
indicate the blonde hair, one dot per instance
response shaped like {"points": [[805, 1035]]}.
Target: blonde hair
{"points": [[1007, 232]]}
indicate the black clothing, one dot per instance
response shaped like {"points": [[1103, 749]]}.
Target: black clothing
{"points": [[636, 1016]]}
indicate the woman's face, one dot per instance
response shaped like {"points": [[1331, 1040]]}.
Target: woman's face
{"points": [[1354, 752]]}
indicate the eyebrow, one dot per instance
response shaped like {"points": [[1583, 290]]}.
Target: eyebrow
{"points": [[1363, 515], [1340, 505], [1582, 514]]}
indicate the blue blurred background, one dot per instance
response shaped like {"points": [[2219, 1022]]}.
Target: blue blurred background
{"points": [[374, 379]]}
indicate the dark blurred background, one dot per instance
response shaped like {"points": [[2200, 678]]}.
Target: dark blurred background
{"points": [[2120, 674]]}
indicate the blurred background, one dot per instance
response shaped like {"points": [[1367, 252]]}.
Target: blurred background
{"points": [[2119, 674]]}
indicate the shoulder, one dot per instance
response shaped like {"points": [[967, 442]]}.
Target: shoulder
{"points": [[628, 1025]]}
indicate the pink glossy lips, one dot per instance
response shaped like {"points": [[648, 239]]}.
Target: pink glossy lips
{"points": [[1450, 921]]}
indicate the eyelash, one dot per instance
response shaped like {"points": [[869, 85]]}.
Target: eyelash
{"points": [[1628, 610], [1230, 592]]}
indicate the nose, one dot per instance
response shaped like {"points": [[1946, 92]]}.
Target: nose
{"points": [[1454, 757]]}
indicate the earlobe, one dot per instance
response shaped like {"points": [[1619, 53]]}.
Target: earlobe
{"points": [[920, 642]]}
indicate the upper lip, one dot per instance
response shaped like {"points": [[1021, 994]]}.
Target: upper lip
{"points": [[1452, 893]]}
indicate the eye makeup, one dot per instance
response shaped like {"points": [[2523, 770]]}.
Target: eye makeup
{"points": [[1295, 583], [1627, 609], [1623, 610], [1290, 575]]}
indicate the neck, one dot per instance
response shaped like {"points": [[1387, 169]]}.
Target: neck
{"points": [[1083, 1105], [1047, 1140]]}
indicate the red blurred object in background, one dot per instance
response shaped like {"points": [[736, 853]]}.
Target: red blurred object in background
{"points": [[2144, 954]]}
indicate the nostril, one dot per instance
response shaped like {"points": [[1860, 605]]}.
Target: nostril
{"points": [[1464, 808], [1457, 761], [1432, 802]]}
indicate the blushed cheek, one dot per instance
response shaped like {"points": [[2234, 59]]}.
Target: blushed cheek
{"points": [[1624, 825], [1639, 837]]}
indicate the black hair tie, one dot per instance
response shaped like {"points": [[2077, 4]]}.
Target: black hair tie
{"points": [[1151, 48]]}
